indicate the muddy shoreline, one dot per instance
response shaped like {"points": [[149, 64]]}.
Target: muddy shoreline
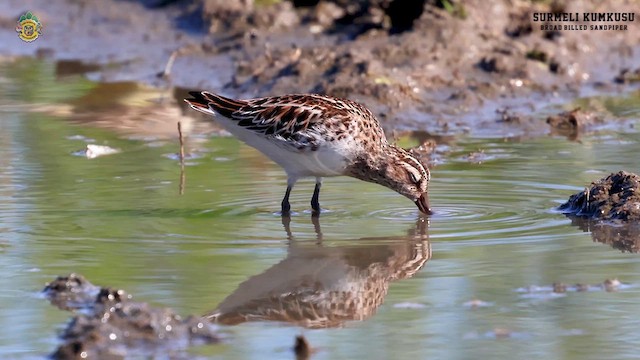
{"points": [[467, 69]]}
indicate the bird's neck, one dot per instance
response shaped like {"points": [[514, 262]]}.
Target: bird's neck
{"points": [[373, 166]]}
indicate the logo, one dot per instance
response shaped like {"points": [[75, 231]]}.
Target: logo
{"points": [[29, 27], [616, 21]]}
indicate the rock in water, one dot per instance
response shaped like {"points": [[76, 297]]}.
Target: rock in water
{"points": [[613, 198]]}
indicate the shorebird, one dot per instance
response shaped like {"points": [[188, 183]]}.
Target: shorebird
{"points": [[312, 135]]}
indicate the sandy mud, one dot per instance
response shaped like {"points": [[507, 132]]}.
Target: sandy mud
{"points": [[449, 67]]}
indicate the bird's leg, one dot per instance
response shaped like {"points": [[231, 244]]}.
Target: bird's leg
{"points": [[286, 207], [315, 202]]}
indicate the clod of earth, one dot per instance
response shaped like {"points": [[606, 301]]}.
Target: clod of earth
{"points": [[610, 210], [112, 325], [572, 123], [613, 198]]}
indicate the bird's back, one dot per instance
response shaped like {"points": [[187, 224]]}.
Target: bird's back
{"points": [[328, 130]]}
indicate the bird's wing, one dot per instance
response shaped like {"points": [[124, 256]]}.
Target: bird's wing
{"points": [[289, 118]]}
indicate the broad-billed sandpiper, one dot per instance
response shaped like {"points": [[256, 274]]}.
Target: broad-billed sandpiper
{"points": [[318, 136]]}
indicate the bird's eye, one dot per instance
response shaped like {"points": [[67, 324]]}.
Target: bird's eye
{"points": [[414, 177]]}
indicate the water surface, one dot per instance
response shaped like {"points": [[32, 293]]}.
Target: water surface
{"points": [[121, 221]]}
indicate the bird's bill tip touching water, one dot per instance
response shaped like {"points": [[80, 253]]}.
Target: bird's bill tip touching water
{"points": [[423, 204]]}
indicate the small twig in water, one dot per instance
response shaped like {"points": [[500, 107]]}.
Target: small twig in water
{"points": [[585, 206], [302, 348], [182, 174], [167, 69]]}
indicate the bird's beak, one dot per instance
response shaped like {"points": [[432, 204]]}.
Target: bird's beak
{"points": [[423, 204]]}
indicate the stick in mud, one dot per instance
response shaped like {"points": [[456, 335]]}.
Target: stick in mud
{"points": [[182, 174], [301, 348], [167, 69]]}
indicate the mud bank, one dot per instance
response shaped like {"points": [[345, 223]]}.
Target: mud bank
{"points": [[109, 324], [449, 67]]}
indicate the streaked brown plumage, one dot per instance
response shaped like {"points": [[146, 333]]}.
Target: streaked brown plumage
{"points": [[319, 136]]}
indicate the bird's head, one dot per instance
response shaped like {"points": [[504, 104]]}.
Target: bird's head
{"points": [[410, 177], [401, 171]]}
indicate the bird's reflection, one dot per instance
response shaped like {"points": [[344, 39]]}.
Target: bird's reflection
{"points": [[318, 286]]}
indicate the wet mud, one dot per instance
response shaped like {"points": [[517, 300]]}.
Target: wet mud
{"points": [[613, 198], [108, 323], [419, 65], [610, 209]]}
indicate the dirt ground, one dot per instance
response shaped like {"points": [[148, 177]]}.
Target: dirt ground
{"points": [[445, 67]]}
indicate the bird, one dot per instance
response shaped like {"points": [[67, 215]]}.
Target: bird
{"points": [[313, 135]]}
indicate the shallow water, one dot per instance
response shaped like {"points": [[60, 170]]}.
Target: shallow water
{"points": [[121, 221]]}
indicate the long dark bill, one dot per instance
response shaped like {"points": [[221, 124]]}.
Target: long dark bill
{"points": [[423, 204]]}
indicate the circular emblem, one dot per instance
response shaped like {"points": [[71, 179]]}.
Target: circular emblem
{"points": [[29, 27]]}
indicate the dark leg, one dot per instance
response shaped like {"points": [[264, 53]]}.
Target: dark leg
{"points": [[286, 207], [315, 201]]}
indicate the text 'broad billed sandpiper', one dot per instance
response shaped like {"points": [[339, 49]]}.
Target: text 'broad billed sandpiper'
{"points": [[319, 136]]}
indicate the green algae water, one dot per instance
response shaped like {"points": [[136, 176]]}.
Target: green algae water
{"points": [[210, 239]]}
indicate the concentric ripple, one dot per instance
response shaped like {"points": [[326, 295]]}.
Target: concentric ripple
{"points": [[493, 209]]}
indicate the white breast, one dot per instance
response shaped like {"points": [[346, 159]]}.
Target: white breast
{"points": [[330, 159]]}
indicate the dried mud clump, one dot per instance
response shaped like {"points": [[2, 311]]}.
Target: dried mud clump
{"points": [[572, 123], [614, 198], [112, 325], [610, 210], [70, 292]]}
